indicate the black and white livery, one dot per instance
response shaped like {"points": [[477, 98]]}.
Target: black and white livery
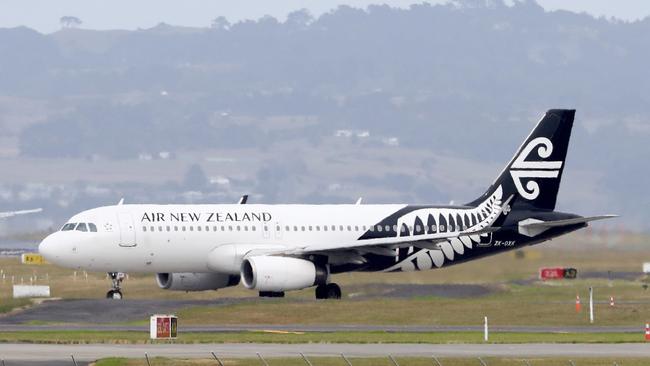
{"points": [[278, 248]]}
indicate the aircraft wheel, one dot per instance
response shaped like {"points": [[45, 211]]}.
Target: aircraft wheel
{"points": [[114, 294], [321, 292], [333, 291]]}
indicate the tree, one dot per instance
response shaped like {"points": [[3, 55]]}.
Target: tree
{"points": [[300, 18], [220, 23], [70, 22]]}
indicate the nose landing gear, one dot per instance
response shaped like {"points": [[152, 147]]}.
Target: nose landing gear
{"points": [[115, 291]]}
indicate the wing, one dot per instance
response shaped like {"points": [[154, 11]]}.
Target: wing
{"points": [[16, 213]]}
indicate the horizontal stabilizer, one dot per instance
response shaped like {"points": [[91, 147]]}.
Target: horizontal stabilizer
{"points": [[533, 227]]}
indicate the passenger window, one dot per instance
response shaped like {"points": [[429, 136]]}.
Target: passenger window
{"points": [[238, 228], [223, 228], [68, 226], [310, 228], [175, 228], [229, 228], [151, 228], [92, 227], [324, 227], [183, 227], [82, 227], [387, 227], [191, 228], [295, 228], [333, 227], [169, 228], [356, 228], [349, 228], [286, 228], [340, 227], [159, 228], [144, 228], [317, 228], [302, 228], [245, 227], [253, 228], [198, 228], [379, 228]]}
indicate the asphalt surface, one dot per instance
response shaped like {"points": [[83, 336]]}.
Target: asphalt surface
{"points": [[326, 328], [102, 311], [39, 352]]}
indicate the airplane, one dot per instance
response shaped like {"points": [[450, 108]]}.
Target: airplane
{"points": [[6, 214], [276, 248]]}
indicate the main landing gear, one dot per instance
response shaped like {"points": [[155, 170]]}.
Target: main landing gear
{"points": [[329, 291], [115, 291]]}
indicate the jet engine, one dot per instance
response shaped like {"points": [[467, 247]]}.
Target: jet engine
{"points": [[195, 281], [276, 274]]}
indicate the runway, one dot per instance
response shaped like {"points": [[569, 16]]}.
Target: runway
{"points": [[325, 328], [39, 352]]}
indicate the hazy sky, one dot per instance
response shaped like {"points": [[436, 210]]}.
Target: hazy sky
{"points": [[44, 15]]}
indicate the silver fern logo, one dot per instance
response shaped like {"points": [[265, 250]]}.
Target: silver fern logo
{"points": [[529, 171]]}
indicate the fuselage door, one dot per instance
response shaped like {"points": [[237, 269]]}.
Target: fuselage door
{"points": [[127, 230]]}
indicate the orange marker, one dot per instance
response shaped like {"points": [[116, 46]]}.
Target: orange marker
{"points": [[578, 306], [647, 332]]}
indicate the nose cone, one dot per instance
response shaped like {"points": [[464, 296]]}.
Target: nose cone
{"points": [[47, 248]]}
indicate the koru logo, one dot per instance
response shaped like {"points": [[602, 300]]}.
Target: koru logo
{"points": [[523, 169]]}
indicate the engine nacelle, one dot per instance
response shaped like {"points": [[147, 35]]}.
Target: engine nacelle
{"points": [[195, 281], [268, 273]]}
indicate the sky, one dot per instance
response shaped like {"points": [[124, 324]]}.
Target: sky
{"points": [[43, 15]]}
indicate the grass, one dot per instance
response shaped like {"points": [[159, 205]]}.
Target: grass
{"points": [[519, 299], [7, 305], [404, 361], [111, 337], [566, 251], [516, 305]]}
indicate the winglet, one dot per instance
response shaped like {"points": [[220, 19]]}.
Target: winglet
{"points": [[121, 201], [359, 201]]}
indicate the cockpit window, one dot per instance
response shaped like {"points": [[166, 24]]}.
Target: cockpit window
{"points": [[82, 227], [69, 226], [92, 227]]}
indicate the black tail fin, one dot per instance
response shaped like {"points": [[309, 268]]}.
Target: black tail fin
{"points": [[534, 173]]}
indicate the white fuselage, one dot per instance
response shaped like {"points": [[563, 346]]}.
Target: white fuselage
{"points": [[179, 238]]}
